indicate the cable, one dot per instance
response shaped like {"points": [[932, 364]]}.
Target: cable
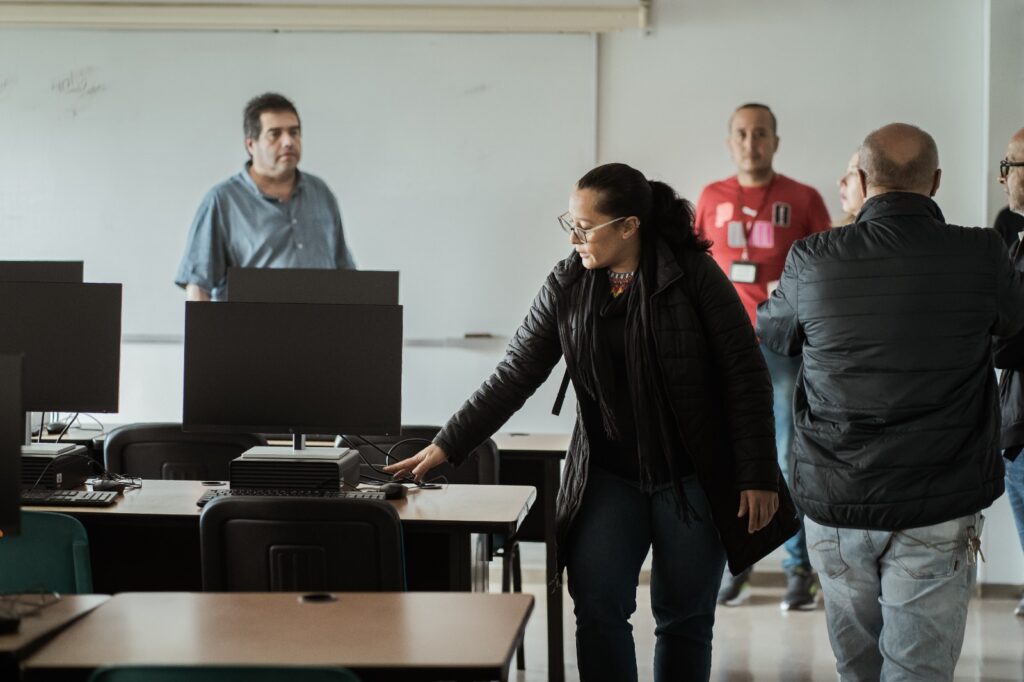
{"points": [[387, 454], [66, 427]]}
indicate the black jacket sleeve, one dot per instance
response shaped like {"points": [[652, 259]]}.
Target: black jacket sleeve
{"points": [[533, 352], [1009, 346], [743, 375], [778, 324]]}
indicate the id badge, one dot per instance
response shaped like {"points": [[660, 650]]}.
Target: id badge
{"points": [[743, 272]]}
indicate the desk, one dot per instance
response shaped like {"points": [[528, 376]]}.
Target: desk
{"points": [[535, 459], [149, 540], [380, 636], [37, 628]]}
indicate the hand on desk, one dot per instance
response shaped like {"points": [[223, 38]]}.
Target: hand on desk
{"points": [[419, 464]]}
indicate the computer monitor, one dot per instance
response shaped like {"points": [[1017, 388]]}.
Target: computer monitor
{"points": [[306, 285], [69, 272], [12, 421], [70, 336], [294, 368]]}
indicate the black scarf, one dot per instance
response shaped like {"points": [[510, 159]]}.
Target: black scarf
{"points": [[594, 374]]}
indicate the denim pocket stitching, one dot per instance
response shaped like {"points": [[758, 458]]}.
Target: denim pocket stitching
{"points": [[942, 561], [831, 555]]}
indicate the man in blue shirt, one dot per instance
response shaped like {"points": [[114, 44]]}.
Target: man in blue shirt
{"points": [[269, 215]]}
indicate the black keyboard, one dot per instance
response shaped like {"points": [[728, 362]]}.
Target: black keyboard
{"points": [[283, 492], [68, 498]]}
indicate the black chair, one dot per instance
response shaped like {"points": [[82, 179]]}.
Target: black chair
{"points": [[482, 467], [164, 451], [265, 544]]}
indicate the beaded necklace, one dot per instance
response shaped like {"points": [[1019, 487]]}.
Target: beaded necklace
{"points": [[620, 282]]}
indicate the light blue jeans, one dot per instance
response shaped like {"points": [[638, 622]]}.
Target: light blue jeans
{"points": [[1015, 492], [783, 370], [895, 601]]}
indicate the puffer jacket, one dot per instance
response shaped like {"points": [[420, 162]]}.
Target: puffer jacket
{"points": [[1009, 357], [895, 409], [716, 382]]}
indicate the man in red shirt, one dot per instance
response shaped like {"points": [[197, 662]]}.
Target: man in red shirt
{"points": [[753, 218]]}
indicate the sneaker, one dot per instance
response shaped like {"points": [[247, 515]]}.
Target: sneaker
{"points": [[801, 591], [735, 589], [1019, 611]]}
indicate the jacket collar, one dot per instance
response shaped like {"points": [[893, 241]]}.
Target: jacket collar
{"points": [[668, 268], [899, 204]]}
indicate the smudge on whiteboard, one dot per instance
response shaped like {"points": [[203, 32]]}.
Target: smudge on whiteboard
{"points": [[79, 86]]}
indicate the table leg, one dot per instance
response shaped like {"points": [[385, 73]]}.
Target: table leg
{"points": [[556, 662]]}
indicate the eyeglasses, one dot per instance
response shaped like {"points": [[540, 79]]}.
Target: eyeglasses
{"points": [[565, 222], [1005, 165]]}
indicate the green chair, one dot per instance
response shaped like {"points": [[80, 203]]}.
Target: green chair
{"points": [[160, 673], [50, 555]]}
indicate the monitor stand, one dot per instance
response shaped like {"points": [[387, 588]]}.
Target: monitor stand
{"points": [[30, 447], [298, 450]]}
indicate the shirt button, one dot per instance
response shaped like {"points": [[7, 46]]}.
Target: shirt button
{"points": [[299, 245], [295, 222]]}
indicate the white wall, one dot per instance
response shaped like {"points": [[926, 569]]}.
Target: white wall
{"points": [[831, 71]]}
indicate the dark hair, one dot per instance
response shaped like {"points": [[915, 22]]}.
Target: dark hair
{"points": [[756, 105], [268, 101], [624, 191]]}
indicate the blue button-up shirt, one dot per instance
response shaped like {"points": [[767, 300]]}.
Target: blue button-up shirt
{"points": [[237, 225]]}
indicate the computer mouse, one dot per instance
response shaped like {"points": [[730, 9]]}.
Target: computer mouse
{"points": [[392, 490]]}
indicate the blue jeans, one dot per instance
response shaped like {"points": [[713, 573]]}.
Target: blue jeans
{"points": [[616, 525], [784, 370], [895, 601], [1015, 492]]}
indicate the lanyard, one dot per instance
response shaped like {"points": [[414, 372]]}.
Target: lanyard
{"points": [[748, 225]]}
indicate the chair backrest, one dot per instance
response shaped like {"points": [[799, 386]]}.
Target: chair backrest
{"points": [[50, 555], [164, 451], [481, 467], [227, 673], [263, 544]]}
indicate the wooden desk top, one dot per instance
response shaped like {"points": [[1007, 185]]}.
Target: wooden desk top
{"points": [[44, 622], [511, 441], [479, 508], [359, 630]]}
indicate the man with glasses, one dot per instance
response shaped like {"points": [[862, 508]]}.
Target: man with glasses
{"points": [[896, 441], [1009, 355], [268, 215], [753, 218]]}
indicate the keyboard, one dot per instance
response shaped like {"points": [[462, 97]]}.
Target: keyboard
{"points": [[68, 498], [282, 492]]}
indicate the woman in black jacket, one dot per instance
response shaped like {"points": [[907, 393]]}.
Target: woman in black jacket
{"points": [[674, 440]]}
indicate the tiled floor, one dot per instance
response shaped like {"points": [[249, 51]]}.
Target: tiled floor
{"points": [[759, 642]]}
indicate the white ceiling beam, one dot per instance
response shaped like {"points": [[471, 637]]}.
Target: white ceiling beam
{"points": [[323, 17]]}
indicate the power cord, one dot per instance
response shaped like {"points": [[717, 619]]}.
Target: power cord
{"points": [[388, 455]]}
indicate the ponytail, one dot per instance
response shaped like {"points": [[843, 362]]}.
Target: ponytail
{"points": [[671, 218]]}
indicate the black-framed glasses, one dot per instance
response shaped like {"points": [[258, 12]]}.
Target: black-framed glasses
{"points": [[565, 222], [1005, 165]]}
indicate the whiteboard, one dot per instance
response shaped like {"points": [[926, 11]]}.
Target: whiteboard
{"points": [[450, 155]]}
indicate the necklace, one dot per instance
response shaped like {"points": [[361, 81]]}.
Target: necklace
{"points": [[620, 282]]}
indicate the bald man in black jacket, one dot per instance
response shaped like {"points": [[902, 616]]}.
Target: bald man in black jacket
{"points": [[896, 449]]}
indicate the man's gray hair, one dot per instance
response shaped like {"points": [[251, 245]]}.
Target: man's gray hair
{"points": [[899, 157]]}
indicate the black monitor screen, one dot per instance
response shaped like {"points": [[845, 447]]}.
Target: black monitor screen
{"points": [[12, 426], [300, 368], [41, 271], [299, 285], [70, 335]]}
